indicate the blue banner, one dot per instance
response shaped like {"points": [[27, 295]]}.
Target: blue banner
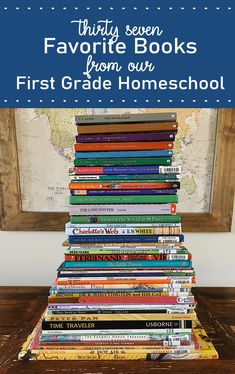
{"points": [[99, 53]]}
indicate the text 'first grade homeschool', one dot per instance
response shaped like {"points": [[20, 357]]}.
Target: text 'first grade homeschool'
{"points": [[68, 83]]}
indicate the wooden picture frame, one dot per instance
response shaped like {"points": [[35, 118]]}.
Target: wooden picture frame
{"points": [[12, 218]]}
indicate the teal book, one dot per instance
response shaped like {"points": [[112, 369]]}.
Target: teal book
{"points": [[129, 264], [123, 161], [129, 199]]}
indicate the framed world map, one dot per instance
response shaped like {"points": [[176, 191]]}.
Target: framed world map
{"points": [[40, 142]]}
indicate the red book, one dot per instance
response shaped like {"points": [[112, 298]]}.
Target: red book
{"points": [[124, 146]]}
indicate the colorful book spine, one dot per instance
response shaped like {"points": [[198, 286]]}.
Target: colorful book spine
{"points": [[114, 325], [120, 317], [122, 146], [123, 154], [123, 128], [131, 264], [134, 137], [124, 300], [125, 178], [122, 185], [125, 231], [127, 209], [124, 226], [122, 192], [76, 239], [126, 257], [136, 199], [125, 170], [126, 219], [123, 161]]}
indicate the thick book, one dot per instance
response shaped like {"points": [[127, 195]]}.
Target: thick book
{"points": [[133, 137], [123, 154], [126, 219], [157, 300], [130, 264], [136, 199], [168, 230], [125, 238], [123, 161], [125, 118], [123, 128], [135, 185], [108, 209], [126, 257], [122, 146], [124, 170], [114, 325]]}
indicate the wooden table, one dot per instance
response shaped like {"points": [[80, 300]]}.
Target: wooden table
{"points": [[21, 307]]}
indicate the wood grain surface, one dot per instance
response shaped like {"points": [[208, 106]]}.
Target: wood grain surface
{"points": [[21, 307], [219, 219]]}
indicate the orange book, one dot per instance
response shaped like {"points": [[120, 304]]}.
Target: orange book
{"points": [[122, 185], [127, 128], [123, 146]]}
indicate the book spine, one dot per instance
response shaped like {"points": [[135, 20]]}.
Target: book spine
{"points": [[123, 192], [126, 219], [119, 317], [136, 199], [134, 137], [122, 161], [108, 251], [107, 209], [70, 225], [126, 118], [106, 281], [123, 185], [137, 178], [125, 238], [109, 170], [131, 264], [123, 154], [126, 257], [124, 231], [102, 325], [122, 146], [123, 128], [124, 300]]}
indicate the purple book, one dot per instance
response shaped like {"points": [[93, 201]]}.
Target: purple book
{"points": [[122, 192], [125, 137]]}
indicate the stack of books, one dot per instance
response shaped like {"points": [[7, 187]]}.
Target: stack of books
{"points": [[123, 291]]}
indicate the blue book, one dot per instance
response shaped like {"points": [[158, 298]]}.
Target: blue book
{"points": [[121, 154], [129, 264], [76, 239]]}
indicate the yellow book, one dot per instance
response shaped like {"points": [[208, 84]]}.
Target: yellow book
{"points": [[120, 317]]}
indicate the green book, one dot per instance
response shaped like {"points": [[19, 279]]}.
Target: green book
{"points": [[130, 199], [123, 161], [162, 218], [119, 178]]}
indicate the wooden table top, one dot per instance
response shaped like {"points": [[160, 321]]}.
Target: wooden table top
{"points": [[21, 307]]}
